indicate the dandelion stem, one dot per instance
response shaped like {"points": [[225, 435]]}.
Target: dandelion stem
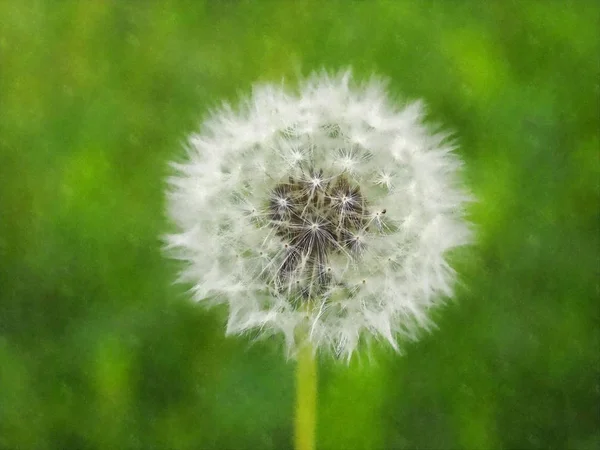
{"points": [[306, 398]]}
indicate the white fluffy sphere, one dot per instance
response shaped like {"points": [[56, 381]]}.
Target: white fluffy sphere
{"points": [[325, 211]]}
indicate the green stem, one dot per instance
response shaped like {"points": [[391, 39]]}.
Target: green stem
{"points": [[306, 398]]}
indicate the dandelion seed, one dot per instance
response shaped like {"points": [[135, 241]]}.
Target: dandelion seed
{"points": [[326, 208]]}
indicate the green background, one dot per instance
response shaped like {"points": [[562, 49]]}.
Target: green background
{"points": [[98, 347]]}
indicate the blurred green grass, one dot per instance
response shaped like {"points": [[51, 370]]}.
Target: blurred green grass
{"points": [[98, 349]]}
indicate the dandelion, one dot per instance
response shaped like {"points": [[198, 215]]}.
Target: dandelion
{"points": [[324, 214]]}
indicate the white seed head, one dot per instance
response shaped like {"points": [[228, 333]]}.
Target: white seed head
{"points": [[325, 209]]}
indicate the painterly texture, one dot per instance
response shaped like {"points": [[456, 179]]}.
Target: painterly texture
{"points": [[98, 349]]}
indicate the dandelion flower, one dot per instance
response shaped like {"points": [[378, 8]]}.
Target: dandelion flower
{"points": [[326, 209]]}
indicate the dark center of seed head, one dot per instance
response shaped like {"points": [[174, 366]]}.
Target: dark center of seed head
{"points": [[316, 218]]}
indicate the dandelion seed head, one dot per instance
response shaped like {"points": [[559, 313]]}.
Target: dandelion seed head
{"points": [[326, 208]]}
